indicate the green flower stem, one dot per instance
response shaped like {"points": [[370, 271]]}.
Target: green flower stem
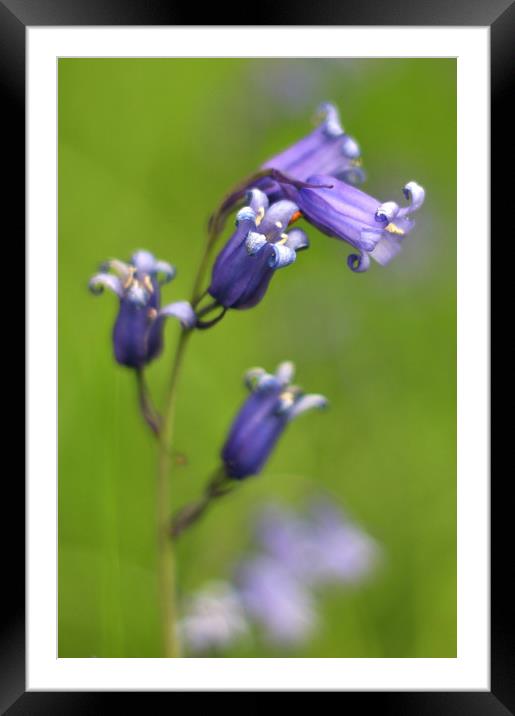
{"points": [[166, 555], [218, 486]]}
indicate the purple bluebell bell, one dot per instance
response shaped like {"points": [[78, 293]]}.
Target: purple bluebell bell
{"points": [[275, 599], [337, 209], [326, 150], [273, 403], [138, 330], [259, 247]]}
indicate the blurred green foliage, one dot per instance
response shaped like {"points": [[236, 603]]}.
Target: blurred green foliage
{"points": [[147, 147]]}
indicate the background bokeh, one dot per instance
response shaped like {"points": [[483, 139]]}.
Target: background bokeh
{"points": [[146, 149]]}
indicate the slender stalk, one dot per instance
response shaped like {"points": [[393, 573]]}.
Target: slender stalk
{"points": [[218, 486], [149, 413], [166, 555]]}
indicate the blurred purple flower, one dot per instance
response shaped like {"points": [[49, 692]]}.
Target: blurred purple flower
{"points": [[342, 552], [375, 229], [214, 619], [259, 246], [323, 548], [276, 600], [138, 330], [275, 588], [273, 403]]}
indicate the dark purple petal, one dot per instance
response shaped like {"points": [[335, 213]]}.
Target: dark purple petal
{"points": [[137, 333], [240, 280], [244, 267], [254, 433], [130, 334]]}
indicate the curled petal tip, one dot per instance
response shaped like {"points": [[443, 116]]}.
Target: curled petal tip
{"points": [[100, 281], [245, 214], [415, 194], [311, 401], [350, 148], [282, 256], [285, 372], [254, 242], [183, 311], [252, 376], [330, 118], [257, 379], [257, 200], [267, 382], [297, 240], [144, 261], [358, 263], [166, 271], [387, 212]]}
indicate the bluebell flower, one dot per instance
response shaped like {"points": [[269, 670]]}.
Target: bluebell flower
{"points": [[376, 229], [274, 402], [259, 247], [138, 330], [326, 150]]}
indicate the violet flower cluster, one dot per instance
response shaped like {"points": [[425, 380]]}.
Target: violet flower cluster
{"points": [[313, 179], [276, 588]]}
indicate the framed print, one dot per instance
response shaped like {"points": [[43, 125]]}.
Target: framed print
{"points": [[258, 357]]}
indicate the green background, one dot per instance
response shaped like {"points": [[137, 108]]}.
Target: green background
{"points": [[146, 150]]}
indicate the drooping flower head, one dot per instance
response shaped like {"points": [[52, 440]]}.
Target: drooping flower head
{"points": [[326, 150], [138, 330], [273, 403], [376, 229], [259, 247]]}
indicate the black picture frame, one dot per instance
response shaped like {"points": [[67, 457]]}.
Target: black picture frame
{"points": [[15, 17]]}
